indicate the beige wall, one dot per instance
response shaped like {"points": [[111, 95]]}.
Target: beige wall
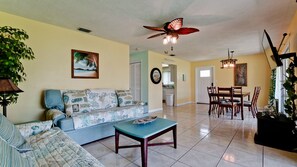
{"points": [[52, 67], [258, 75], [182, 87]]}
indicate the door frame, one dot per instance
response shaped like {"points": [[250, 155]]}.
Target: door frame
{"points": [[197, 69], [136, 62]]}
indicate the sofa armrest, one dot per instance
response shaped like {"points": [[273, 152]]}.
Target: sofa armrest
{"points": [[54, 115], [33, 128]]}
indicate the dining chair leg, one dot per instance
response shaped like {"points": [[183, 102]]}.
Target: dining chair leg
{"points": [[209, 108], [219, 111]]}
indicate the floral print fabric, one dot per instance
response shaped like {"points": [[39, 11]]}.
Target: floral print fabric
{"points": [[101, 98], [125, 97], [76, 102], [55, 148], [34, 128], [107, 115]]}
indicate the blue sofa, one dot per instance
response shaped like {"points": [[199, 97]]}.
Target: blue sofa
{"points": [[89, 115]]}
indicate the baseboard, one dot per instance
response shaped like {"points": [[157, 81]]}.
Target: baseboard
{"points": [[181, 104], [155, 110]]}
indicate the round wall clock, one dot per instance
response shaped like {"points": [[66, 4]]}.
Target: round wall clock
{"points": [[156, 75]]}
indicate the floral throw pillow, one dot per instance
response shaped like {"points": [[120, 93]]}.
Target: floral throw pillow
{"points": [[125, 97], [76, 102], [34, 128]]}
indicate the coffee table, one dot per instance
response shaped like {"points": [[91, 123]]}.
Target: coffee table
{"points": [[144, 133]]}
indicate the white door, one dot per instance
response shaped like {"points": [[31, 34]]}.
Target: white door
{"points": [[204, 78], [135, 80]]}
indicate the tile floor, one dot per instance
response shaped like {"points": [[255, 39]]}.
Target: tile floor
{"points": [[203, 140]]}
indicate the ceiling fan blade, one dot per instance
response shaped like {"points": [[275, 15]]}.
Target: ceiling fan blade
{"points": [[156, 35], [175, 24], [154, 28], [186, 30]]}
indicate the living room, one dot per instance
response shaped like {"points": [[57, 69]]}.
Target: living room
{"points": [[51, 68]]}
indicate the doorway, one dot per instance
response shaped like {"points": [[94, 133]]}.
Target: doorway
{"points": [[169, 73], [204, 77], [135, 80]]}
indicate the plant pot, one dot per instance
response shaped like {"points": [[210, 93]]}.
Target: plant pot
{"points": [[276, 132]]}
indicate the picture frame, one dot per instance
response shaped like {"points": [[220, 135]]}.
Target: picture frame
{"points": [[84, 64], [156, 76], [240, 74]]}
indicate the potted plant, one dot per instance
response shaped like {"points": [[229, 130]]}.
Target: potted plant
{"points": [[12, 51], [278, 129]]}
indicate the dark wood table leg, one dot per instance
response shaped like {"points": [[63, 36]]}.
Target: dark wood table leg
{"points": [[174, 136], [144, 145], [241, 107], [117, 136]]}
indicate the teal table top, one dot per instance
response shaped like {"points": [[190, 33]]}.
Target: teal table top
{"points": [[144, 130]]}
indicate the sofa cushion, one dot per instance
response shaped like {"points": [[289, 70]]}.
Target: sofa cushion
{"points": [[9, 156], [34, 128], [101, 98], [55, 148], [76, 102], [125, 97], [10, 134], [53, 99], [108, 115]]}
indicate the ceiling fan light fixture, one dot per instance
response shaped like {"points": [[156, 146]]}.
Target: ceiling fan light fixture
{"points": [[165, 41], [168, 37], [173, 40]]}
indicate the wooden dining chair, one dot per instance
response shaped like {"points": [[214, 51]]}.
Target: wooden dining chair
{"points": [[237, 89], [213, 102], [252, 105], [226, 103]]}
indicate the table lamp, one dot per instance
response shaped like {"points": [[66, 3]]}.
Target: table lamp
{"points": [[7, 87]]}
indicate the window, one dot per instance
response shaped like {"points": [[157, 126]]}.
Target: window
{"points": [[167, 78], [204, 73]]}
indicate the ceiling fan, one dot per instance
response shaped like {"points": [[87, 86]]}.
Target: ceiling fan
{"points": [[172, 30]]}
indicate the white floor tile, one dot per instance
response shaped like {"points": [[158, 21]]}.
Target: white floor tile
{"points": [[202, 140]]}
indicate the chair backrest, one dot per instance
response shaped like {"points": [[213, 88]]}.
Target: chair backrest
{"points": [[225, 92], [210, 90], [257, 90], [237, 89]]}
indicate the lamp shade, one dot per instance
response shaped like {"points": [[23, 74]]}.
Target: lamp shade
{"points": [[7, 86]]}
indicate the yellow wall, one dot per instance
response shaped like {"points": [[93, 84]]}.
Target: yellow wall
{"points": [[258, 75], [52, 67], [182, 87]]}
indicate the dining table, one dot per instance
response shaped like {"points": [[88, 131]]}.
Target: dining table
{"points": [[240, 95]]}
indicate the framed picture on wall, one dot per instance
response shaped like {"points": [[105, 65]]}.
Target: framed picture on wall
{"points": [[84, 64], [240, 74]]}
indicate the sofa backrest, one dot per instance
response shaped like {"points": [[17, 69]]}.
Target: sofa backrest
{"points": [[98, 98], [101, 98]]}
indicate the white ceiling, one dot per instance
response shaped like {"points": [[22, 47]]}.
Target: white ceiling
{"points": [[223, 24]]}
